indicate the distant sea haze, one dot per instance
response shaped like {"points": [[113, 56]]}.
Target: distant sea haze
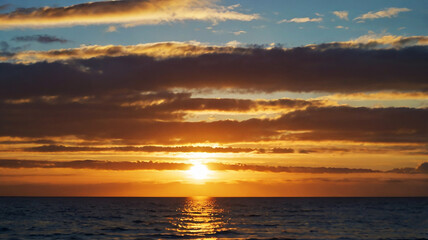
{"points": [[203, 217]]}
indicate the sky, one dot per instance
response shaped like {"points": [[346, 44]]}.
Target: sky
{"points": [[213, 98]]}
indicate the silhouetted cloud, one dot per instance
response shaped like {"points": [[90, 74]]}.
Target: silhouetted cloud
{"points": [[123, 165], [62, 148], [422, 168], [4, 6], [340, 123], [125, 12], [337, 70], [357, 124], [40, 39], [149, 165], [282, 150], [136, 106], [374, 41]]}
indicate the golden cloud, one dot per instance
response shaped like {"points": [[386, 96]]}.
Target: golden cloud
{"points": [[127, 13]]}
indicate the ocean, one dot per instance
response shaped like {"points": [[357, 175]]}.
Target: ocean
{"points": [[213, 218]]}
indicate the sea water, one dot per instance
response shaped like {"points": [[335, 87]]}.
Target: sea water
{"points": [[213, 218]]}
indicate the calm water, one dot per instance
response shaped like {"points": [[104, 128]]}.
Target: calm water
{"points": [[234, 218]]}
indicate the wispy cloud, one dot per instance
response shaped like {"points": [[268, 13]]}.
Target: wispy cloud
{"points": [[111, 29], [387, 13], [40, 39], [341, 27], [300, 20], [127, 13], [379, 96], [342, 14], [239, 32]]}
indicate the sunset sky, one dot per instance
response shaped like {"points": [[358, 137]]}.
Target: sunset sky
{"points": [[216, 98]]}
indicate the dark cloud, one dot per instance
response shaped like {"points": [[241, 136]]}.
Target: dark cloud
{"points": [[61, 148], [110, 165], [297, 69], [94, 164], [140, 165], [5, 6], [422, 168], [7, 51], [375, 43], [259, 168], [342, 123], [282, 150], [357, 124], [38, 141], [40, 39], [135, 109]]}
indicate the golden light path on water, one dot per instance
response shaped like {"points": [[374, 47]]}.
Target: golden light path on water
{"points": [[199, 217]]}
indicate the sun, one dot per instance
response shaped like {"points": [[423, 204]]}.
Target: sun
{"points": [[198, 171]]}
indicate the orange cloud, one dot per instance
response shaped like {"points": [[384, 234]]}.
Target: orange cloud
{"points": [[157, 50], [140, 165], [128, 13]]}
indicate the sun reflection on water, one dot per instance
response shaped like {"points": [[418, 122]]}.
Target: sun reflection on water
{"points": [[200, 217]]}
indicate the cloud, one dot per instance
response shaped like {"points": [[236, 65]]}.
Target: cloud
{"points": [[335, 123], [62, 148], [342, 14], [111, 29], [125, 165], [186, 49], [379, 96], [127, 13], [239, 32], [341, 27], [163, 106], [386, 13], [157, 50], [340, 70], [233, 43], [422, 168], [300, 20], [356, 124], [5, 6], [374, 41], [40, 39], [149, 165]]}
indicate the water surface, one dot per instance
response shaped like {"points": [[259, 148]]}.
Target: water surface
{"points": [[233, 218]]}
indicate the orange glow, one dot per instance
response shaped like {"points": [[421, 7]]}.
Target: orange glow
{"points": [[199, 216], [199, 171]]}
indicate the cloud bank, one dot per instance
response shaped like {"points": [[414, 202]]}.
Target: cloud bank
{"points": [[140, 165], [124, 165], [303, 69]]}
